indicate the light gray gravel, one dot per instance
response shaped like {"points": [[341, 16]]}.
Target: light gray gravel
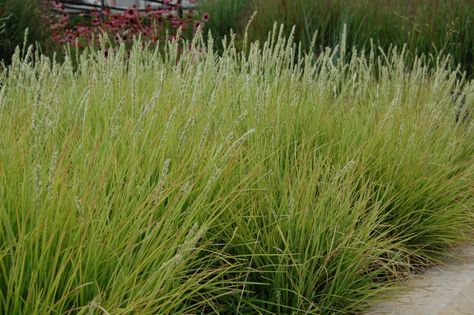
{"points": [[444, 290]]}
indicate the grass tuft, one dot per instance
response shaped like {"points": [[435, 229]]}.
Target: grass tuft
{"points": [[167, 183]]}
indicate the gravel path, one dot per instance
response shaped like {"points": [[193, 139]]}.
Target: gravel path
{"points": [[444, 290]]}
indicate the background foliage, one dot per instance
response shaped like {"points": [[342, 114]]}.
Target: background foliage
{"points": [[425, 26], [15, 17]]}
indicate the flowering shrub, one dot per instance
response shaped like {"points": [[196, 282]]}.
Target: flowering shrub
{"points": [[152, 24]]}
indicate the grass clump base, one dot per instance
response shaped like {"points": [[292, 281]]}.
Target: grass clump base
{"points": [[162, 182]]}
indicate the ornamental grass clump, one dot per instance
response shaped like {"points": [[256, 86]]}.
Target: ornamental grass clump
{"points": [[182, 182]]}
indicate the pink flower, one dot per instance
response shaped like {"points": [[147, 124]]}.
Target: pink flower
{"points": [[205, 17], [147, 31], [82, 29], [157, 13], [58, 5], [64, 19], [70, 36], [131, 13]]}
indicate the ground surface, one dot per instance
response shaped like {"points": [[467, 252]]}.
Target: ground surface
{"points": [[445, 290]]}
